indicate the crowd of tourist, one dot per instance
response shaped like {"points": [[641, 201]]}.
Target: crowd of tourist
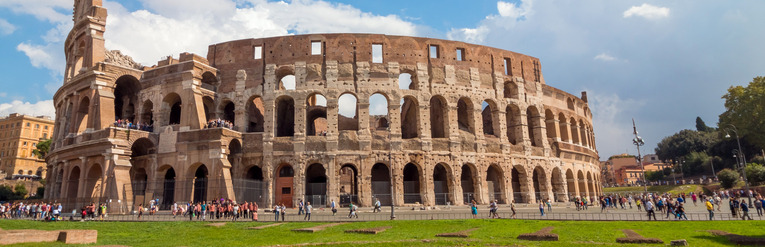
{"points": [[219, 123], [216, 209], [124, 123], [33, 211]]}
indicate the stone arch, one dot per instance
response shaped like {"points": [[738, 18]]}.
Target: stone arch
{"points": [[495, 183], [147, 112], [539, 181], [583, 133], [550, 124], [208, 105], [126, 90], [200, 175], [407, 80], [439, 117], [139, 179], [381, 184], [209, 81], [74, 182], [287, 82], [533, 122], [410, 115], [571, 182], [582, 183], [412, 182], [316, 184], [570, 103], [349, 184], [348, 120], [172, 105], [519, 182], [168, 178], [514, 126], [316, 114], [93, 186], [142, 146], [227, 111], [83, 110], [489, 119], [564, 129], [378, 112], [558, 185], [442, 176], [285, 116], [591, 185], [465, 117], [283, 184], [255, 114], [574, 131], [470, 185], [511, 90]]}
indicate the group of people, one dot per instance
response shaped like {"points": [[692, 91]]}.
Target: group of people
{"points": [[219, 123], [91, 212], [493, 209], [674, 205], [34, 211], [124, 123], [216, 209]]}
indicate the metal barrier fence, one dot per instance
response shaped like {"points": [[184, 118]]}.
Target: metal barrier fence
{"points": [[402, 214]]}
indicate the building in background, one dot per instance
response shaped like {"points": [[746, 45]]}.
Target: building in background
{"points": [[651, 158], [19, 135]]}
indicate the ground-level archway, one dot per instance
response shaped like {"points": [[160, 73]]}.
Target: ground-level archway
{"points": [[349, 185], [316, 185], [381, 186], [495, 184], [412, 184], [168, 188], [441, 184], [284, 182], [200, 184], [518, 181], [468, 184], [558, 185]]}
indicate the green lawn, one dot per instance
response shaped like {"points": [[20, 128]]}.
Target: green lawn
{"points": [[404, 233], [674, 189]]}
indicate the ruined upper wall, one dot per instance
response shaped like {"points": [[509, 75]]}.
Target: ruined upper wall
{"points": [[349, 49]]}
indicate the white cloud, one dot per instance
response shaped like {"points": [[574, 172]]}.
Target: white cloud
{"points": [[509, 15], [40, 108], [6, 28], [604, 57], [647, 11], [613, 127], [49, 10], [47, 56], [514, 11]]}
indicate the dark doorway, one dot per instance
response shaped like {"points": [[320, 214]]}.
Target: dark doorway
{"points": [[200, 184]]}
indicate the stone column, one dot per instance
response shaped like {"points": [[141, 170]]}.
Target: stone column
{"points": [[568, 133], [365, 136], [83, 182], [549, 189], [65, 180], [578, 134], [556, 124], [531, 196]]}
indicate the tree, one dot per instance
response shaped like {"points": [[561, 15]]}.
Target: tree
{"points": [[20, 190], [755, 173], [684, 142], [654, 175], [42, 149], [745, 109], [6, 193], [701, 126], [727, 178]]}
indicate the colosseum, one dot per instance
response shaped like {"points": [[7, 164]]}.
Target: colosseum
{"points": [[422, 122]]}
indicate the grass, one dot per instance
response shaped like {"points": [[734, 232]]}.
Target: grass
{"points": [[674, 189], [403, 233]]}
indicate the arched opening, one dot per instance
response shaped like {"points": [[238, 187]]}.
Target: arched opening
{"points": [[200, 184], [126, 91], [285, 116], [570, 103], [574, 132], [168, 193], [441, 184], [412, 184], [406, 81], [538, 181], [511, 90], [465, 115], [550, 124], [147, 116], [287, 83], [564, 129], [234, 158], [583, 133], [532, 122], [349, 190], [74, 182], [316, 115], [495, 185], [172, 105], [228, 112], [558, 185], [284, 183], [468, 184], [39, 171], [94, 182], [378, 113], [316, 185], [139, 179], [591, 186], [518, 180], [251, 186], [490, 129], [255, 118], [582, 184], [381, 187], [208, 105], [209, 81], [82, 114], [141, 147], [439, 115], [571, 183], [409, 118], [348, 111], [513, 123]]}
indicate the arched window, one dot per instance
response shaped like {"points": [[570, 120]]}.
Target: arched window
{"points": [[348, 112]]}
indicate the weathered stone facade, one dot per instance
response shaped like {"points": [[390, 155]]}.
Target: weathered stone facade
{"points": [[438, 142]]}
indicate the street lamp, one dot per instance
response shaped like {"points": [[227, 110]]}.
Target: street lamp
{"points": [[638, 141], [743, 160]]}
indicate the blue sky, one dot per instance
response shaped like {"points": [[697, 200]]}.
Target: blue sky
{"points": [[660, 62]]}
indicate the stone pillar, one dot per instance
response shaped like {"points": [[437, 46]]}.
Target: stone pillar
{"points": [[586, 189], [556, 128], [427, 192], [578, 132], [531, 196], [568, 134], [365, 136], [49, 176], [333, 181], [83, 182], [65, 180], [549, 189]]}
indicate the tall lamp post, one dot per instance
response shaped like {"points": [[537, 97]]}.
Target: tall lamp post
{"points": [[743, 161], [638, 141]]}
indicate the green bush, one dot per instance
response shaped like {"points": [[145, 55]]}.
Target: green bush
{"points": [[727, 178], [755, 173]]}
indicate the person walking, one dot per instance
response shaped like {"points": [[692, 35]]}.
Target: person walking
{"points": [[254, 209], [745, 210], [473, 209], [733, 206], [276, 212], [333, 207], [649, 209], [377, 206], [512, 207], [140, 211], [204, 210], [308, 211], [350, 210], [549, 205], [300, 207], [284, 211], [711, 209], [493, 209], [541, 207], [681, 212], [758, 205], [236, 212]]}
